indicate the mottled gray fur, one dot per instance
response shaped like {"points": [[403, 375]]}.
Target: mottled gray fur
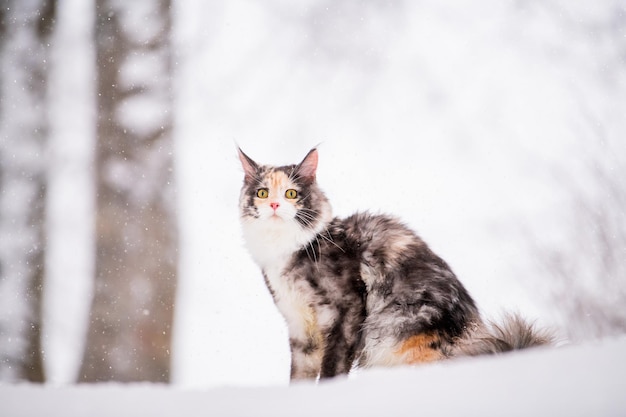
{"points": [[361, 290]]}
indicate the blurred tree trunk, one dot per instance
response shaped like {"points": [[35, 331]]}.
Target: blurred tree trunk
{"points": [[25, 27], [136, 240]]}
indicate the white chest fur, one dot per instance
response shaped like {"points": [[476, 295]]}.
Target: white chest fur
{"points": [[294, 303], [272, 244]]}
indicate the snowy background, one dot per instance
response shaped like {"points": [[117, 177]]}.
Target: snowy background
{"points": [[483, 126], [462, 120]]}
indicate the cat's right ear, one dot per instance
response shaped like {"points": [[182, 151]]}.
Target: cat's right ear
{"points": [[308, 167], [250, 168]]}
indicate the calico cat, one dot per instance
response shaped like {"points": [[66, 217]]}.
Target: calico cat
{"points": [[361, 291]]}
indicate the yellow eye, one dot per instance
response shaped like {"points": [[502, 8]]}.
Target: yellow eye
{"points": [[262, 193], [291, 194]]}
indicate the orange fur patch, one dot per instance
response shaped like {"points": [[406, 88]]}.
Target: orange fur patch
{"points": [[419, 349], [278, 180]]}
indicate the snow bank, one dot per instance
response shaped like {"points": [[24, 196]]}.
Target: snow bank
{"points": [[571, 381]]}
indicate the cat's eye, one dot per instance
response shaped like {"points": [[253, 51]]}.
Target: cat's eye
{"points": [[262, 193], [291, 194]]}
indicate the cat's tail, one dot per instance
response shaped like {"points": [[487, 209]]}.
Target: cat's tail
{"points": [[512, 333]]}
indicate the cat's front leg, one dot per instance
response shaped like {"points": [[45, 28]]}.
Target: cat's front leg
{"points": [[342, 339], [306, 357]]}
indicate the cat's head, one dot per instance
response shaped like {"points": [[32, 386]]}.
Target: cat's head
{"points": [[284, 197]]}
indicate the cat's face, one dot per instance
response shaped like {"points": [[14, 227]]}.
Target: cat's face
{"points": [[283, 196]]}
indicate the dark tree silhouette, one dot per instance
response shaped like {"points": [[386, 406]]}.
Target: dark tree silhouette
{"points": [[131, 318], [25, 28]]}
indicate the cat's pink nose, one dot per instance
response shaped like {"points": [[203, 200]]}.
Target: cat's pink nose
{"points": [[274, 205]]}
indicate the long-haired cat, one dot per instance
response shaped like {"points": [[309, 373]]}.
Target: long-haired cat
{"points": [[364, 290]]}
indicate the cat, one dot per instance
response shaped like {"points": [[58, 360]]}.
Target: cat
{"points": [[361, 291]]}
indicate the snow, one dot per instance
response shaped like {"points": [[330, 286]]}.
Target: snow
{"points": [[569, 381], [468, 121]]}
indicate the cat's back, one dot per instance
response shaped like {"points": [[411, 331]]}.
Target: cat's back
{"points": [[383, 239], [339, 260]]}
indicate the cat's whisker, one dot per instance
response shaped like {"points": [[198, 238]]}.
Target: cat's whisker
{"points": [[309, 211], [309, 214], [325, 236], [305, 197], [308, 220], [306, 249], [330, 240], [315, 260], [294, 175]]}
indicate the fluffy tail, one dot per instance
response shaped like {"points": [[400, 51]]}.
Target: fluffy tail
{"points": [[513, 333]]}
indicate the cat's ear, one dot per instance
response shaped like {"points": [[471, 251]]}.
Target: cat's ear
{"points": [[250, 168], [308, 167]]}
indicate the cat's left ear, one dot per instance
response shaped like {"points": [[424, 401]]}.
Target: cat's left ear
{"points": [[250, 168], [308, 167]]}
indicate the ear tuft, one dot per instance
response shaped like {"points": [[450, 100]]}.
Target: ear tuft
{"points": [[250, 167], [308, 167]]}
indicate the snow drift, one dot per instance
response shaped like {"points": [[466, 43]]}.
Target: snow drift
{"points": [[569, 381]]}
